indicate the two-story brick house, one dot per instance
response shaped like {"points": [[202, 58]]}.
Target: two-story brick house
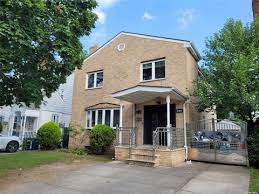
{"points": [[139, 83]]}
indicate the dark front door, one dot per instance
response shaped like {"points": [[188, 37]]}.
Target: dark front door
{"points": [[155, 116]]}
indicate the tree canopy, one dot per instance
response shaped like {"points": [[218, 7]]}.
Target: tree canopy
{"points": [[39, 46], [230, 69]]}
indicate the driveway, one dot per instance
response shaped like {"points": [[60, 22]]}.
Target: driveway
{"points": [[116, 177]]}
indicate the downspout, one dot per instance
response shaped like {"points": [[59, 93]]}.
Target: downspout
{"points": [[185, 133]]}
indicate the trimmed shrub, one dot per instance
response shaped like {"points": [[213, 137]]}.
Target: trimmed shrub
{"points": [[101, 137], [49, 136], [253, 149]]}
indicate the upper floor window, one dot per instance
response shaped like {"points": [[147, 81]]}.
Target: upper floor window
{"points": [[94, 80], [153, 70]]}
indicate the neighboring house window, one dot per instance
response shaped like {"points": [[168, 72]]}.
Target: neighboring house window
{"points": [[1, 119], [94, 80], [110, 117], [153, 70], [55, 118]]}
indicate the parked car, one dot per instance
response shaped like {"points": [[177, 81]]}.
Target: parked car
{"points": [[9, 143]]}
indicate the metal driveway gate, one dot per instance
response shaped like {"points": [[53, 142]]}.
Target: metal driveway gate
{"points": [[220, 141]]}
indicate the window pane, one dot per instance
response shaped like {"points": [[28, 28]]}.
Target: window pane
{"points": [[160, 69], [90, 80], [116, 118], [93, 118], [88, 119], [147, 71], [100, 116], [107, 117], [99, 80]]}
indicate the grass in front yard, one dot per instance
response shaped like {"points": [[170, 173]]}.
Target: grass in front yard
{"points": [[27, 160], [254, 181]]}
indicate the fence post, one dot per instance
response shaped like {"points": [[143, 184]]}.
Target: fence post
{"points": [[214, 141], [119, 135]]}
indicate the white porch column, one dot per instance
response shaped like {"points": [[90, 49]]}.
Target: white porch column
{"points": [[185, 133], [24, 125], [133, 115], [120, 132], [11, 123], [134, 122], [168, 119]]}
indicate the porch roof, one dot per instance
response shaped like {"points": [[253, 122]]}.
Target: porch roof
{"points": [[141, 94]]}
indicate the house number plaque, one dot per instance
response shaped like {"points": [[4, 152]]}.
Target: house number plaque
{"points": [[179, 110]]}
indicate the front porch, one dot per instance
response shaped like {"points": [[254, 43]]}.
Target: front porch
{"points": [[158, 133], [24, 123], [158, 154]]}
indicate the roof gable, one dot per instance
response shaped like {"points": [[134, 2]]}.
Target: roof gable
{"points": [[188, 44]]}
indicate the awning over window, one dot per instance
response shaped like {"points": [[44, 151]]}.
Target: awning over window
{"points": [[102, 106], [141, 94]]}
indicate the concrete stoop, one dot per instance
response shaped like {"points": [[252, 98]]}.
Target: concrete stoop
{"points": [[148, 163], [143, 157]]}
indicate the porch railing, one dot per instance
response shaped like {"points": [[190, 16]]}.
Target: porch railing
{"points": [[126, 136], [29, 134], [168, 137]]}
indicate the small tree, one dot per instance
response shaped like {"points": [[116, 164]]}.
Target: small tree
{"points": [[253, 149], [230, 72], [49, 136], [101, 137]]}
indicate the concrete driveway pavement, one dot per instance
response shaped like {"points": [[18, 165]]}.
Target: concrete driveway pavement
{"points": [[116, 177]]}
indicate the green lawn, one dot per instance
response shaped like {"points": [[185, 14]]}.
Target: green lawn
{"points": [[27, 160], [254, 181]]}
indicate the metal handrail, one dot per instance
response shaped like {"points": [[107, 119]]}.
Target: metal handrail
{"points": [[160, 137], [132, 136]]}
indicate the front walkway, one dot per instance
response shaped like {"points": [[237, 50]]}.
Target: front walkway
{"points": [[116, 177]]}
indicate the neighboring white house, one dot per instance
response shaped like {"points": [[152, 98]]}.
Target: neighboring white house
{"points": [[25, 121]]}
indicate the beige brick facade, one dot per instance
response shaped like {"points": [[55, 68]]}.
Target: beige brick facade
{"points": [[121, 70]]}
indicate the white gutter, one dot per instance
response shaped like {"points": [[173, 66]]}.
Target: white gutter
{"points": [[185, 133]]}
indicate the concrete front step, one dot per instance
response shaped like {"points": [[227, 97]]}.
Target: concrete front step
{"points": [[142, 151], [143, 156], [149, 163]]}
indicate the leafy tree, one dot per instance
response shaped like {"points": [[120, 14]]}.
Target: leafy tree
{"points": [[39, 46], [230, 72]]}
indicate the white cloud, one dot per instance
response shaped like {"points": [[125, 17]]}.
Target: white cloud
{"points": [[106, 3], [147, 16], [100, 10], [101, 16], [186, 17]]}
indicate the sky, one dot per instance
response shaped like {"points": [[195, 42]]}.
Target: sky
{"points": [[193, 20]]}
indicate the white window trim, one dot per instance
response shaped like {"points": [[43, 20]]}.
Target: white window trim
{"points": [[153, 71], [95, 80], [103, 117]]}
